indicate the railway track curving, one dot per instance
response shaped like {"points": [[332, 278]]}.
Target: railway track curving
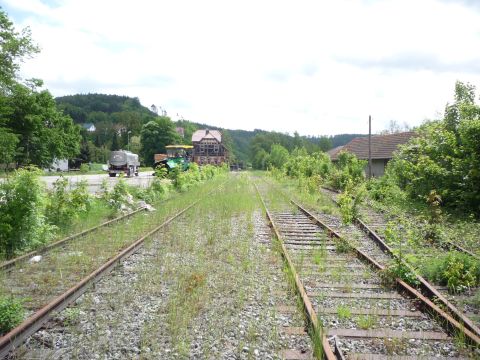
{"points": [[355, 311]]}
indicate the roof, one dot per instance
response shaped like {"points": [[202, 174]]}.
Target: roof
{"points": [[206, 134], [334, 151], [383, 146], [87, 125]]}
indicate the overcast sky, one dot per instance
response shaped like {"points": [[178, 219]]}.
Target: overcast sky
{"points": [[318, 67]]}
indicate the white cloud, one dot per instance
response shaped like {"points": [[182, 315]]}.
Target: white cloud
{"points": [[315, 67]]}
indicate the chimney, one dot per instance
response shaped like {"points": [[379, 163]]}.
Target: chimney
{"points": [[206, 132]]}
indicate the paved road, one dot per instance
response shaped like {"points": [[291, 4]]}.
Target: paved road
{"points": [[94, 181]]}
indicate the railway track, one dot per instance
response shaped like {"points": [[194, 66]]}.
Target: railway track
{"points": [[354, 314], [373, 225], [7, 265], [37, 318]]}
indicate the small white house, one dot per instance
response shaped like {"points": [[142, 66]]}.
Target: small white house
{"points": [[89, 127]]}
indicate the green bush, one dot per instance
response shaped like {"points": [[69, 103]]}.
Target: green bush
{"points": [[455, 270], [84, 168], [22, 220], [119, 196], [385, 188], [11, 313], [445, 156], [64, 206], [348, 169], [349, 201]]}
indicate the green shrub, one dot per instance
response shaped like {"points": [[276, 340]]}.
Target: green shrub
{"points": [[347, 170], [455, 270], [398, 270], [11, 313], [119, 196], [384, 188], [349, 201], [22, 220], [64, 206], [84, 168]]}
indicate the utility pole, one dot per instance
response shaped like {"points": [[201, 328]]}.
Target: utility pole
{"points": [[369, 146]]}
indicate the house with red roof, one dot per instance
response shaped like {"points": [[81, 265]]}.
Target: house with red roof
{"points": [[382, 149], [208, 147]]}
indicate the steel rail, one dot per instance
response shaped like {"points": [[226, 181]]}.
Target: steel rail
{"points": [[328, 352], [428, 305], [448, 245], [426, 288], [11, 263], [10, 341]]}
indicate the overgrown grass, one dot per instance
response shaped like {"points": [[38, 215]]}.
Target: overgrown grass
{"points": [[58, 270], [458, 271]]}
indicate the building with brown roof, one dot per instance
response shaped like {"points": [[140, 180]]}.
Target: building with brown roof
{"points": [[208, 147], [383, 147]]}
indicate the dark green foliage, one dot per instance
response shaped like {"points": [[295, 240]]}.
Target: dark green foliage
{"points": [[22, 221], [445, 156], [155, 135], [11, 314], [456, 270], [113, 116], [33, 131], [42, 131], [8, 146], [15, 46], [97, 107]]}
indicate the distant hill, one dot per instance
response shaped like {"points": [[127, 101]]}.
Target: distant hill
{"points": [[114, 115]]}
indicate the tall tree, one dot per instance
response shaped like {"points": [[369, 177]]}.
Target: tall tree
{"points": [[8, 146], [15, 46], [155, 135], [114, 142], [44, 133]]}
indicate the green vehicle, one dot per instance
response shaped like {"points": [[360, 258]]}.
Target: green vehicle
{"points": [[178, 156]]}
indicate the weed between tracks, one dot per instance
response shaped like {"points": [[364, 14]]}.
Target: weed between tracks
{"points": [[199, 289], [61, 268]]}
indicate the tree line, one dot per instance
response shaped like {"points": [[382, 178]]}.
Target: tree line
{"points": [[32, 129]]}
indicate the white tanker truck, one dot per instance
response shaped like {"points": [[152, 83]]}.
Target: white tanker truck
{"points": [[123, 161]]}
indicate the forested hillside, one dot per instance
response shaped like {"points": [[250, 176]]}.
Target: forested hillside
{"points": [[119, 121]]}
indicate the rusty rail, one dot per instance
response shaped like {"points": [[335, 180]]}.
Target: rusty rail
{"points": [[448, 245], [10, 341], [464, 325], [426, 288], [328, 352], [11, 263]]}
